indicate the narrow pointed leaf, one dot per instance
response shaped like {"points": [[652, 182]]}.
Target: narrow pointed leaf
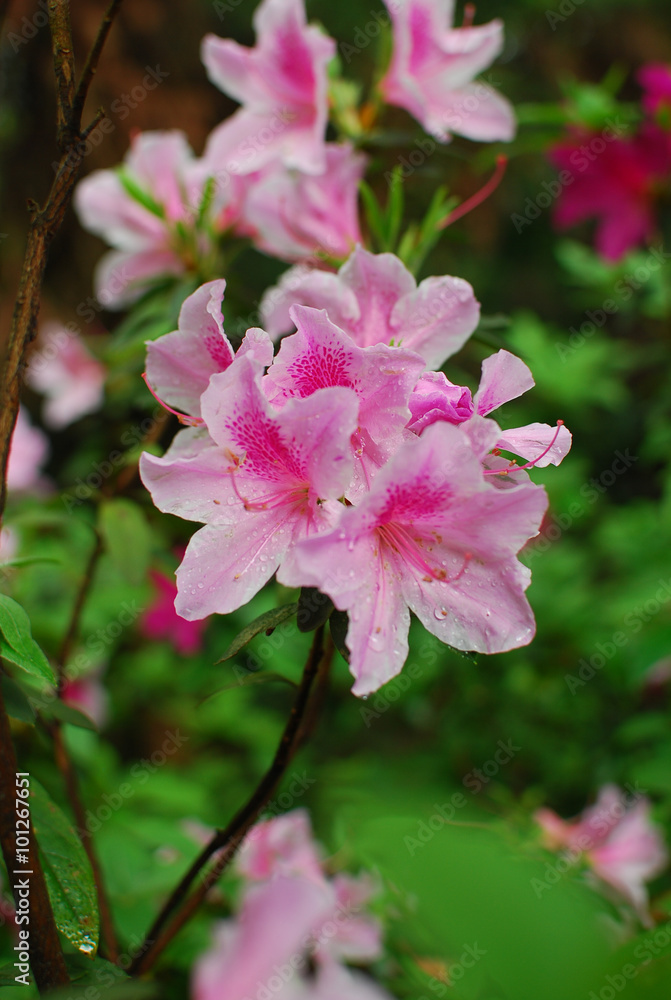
{"points": [[17, 645], [269, 620]]}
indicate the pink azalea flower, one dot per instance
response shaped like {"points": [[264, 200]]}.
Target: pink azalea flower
{"points": [[294, 215], [433, 67], [161, 621], [655, 79], [64, 371], [27, 453], [617, 187], [433, 537], [504, 377], [358, 937], [282, 85], [148, 241], [180, 364], [319, 354], [618, 840], [88, 694], [261, 481], [280, 846], [273, 930], [376, 300]]}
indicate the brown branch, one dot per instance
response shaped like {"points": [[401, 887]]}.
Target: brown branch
{"points": [[64, 69], [46, 957], [227, 841]]}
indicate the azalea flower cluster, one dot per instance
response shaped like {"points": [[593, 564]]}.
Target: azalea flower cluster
{"points": [[295, 929], [267, 173], [620, 184], [342, 463]]}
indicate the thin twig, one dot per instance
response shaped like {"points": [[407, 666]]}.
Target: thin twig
{"points": [[46, 956], [75, 617], [93, 57], [227, 841], [67, 769]]}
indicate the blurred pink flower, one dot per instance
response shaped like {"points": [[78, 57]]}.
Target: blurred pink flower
{"points": [[617, 186], [617, 839], [89, 695], [655, 79], [294, 215], [376, 300], [27, 453], [280, 846], [433, 67], [161, 621], [63, 370], [282, 86], [146, 210]]}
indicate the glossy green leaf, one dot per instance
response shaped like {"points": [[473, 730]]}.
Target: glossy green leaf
{"points": [[17, 645], [72, 716], [67, 872], [264, 623]]}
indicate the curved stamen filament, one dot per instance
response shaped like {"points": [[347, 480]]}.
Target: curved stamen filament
{"points": [[183, 418], [479, 196], [269, 501], [514, 467], [399, 539]]}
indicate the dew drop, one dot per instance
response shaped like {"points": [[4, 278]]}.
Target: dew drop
{"points": [[440, 613]]}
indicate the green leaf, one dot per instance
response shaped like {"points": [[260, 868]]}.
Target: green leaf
{"points": [[395, 207], [72, 716], [17, 645], [339, 623], [127, 538], [29, 561], [314, 609], [264, 623], [132, 188], [67, 872], [16, 702], [251, 678], [373, 213]]}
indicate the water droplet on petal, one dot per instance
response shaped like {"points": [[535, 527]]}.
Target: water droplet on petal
{"points": [[440, 613]]}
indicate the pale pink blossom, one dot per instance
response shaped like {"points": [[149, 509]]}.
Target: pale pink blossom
{"points": [[64, 370], [320, 354], [180, 364], [145, 210], [433, 537], [433, 67], [282, 86], [27, 453], [88, 694], [504, 377], [376, 300], [617, 839], [273, 931], [260, 480], [283, 845], [294, 215]]}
